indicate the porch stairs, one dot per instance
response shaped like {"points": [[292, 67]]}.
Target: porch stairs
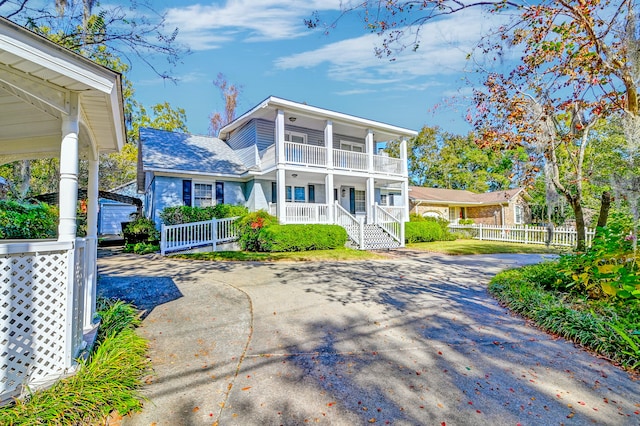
{"points": [[375, 238]]}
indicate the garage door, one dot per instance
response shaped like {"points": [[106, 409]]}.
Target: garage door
{"points": [[111, 215]]}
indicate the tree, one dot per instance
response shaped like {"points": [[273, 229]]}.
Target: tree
{"points": [[229, 93]]}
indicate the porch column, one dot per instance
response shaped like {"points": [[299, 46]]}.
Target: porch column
{"points": [[68, 192], [405, 199], [328, 142], [280, 156], [369, 194], [328, 193], [403, 157], [370, 148], [281, 194], [91, 249]]}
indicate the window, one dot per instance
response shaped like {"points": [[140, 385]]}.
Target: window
{"points": [[383, 200], [298, 193], [452, 214], [288, 197], [219, 192], [295, 137], [202, 194], [274, 192], [360, 201], [312, 193], [186, 192], [519, 215], [352, 146]]}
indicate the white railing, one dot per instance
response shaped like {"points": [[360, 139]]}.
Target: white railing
{"points": [[308, 155], [350, 160], [384, 164], [42, 312], [354, 227], [561, 236], [389, 223], [197, 234], [306, 213], [395, 211]]}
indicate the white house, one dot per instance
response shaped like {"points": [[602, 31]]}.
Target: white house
{"points": [[302, 163], [53, 103]]}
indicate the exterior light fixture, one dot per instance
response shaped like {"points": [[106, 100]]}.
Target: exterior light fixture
{"points": [[292, 119]]}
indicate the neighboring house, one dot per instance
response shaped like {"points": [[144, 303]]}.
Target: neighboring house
{"points": [[124, 202], [301, 163], [504, 208]]}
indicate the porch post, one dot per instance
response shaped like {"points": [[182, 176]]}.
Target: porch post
{"points": [[369, 145], [405, 199], [281, 195], [280, 162], [369, 199], [328, 191], [328, 142], [91, 248], [403, 157], [68, 192]]}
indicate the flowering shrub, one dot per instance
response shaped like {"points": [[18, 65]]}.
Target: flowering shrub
{"points": [[249, 227]]}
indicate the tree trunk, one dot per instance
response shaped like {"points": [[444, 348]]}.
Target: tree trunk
{"points": [[576, 205], [605, 205], [24, 179]]}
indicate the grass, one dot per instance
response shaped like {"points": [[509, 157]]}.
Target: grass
{"points": [[610, 327], [109, 380], [341, 254], [460, 247]]}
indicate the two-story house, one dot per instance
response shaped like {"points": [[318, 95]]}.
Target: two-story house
{"points": [[301, 163]]}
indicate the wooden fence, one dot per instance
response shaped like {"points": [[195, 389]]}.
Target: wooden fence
{"points": [[526, 234]]}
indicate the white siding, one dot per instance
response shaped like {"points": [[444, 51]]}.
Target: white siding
{"points": [[112, 215]]}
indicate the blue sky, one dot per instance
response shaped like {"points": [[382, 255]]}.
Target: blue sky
{"points": [[264, 46]]}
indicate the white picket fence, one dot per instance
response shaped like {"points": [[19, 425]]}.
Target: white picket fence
{"points": [[197, 234], [560, 236]]}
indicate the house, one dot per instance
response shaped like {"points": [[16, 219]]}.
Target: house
{"points": [[301, 163], [53, 103], [503, 208]]}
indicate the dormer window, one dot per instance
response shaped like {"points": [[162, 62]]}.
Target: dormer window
{"points": [[295, 137]]}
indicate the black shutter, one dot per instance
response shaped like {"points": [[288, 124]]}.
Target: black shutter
{"points": [[312, 193], [219, 192], [274, 192], [186, 192], [352, 200]]}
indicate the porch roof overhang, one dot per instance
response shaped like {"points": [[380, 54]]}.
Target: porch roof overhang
{"points": [[37, 81], [310, 116]]}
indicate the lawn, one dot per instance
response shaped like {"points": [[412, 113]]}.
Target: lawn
{"points": [[312, 255], [459, 247]]}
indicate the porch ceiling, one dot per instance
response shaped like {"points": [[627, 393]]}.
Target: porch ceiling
{"points": [[37, 79]]}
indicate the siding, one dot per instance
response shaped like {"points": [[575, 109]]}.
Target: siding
{"points": [[258, 195], [337, 138], [243, 142], [234, 193], [265, 134]]}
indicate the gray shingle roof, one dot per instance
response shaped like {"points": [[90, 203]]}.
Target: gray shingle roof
{"points": [[419, 193], [170, 151]]}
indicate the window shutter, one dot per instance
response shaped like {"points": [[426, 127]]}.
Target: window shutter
{"points": [[312, 193], [186, 192], [219, 192]]}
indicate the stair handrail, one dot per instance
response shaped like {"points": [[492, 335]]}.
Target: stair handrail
{"points": [[389, 223], [344, 219]]}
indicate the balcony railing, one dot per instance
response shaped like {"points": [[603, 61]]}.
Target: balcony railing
{"points": [[384, 164], [303, 154], [350, 160], [306, 213]]}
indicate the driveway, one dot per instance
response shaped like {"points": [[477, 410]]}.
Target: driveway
{"points": [[415, 340]]}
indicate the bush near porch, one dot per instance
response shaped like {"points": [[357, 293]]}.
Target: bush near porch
{"points": [[27, 221], [186, 214], [297, 237], [422, 229]]}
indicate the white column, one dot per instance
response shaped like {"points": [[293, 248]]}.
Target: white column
{"points": [[403, 157], [279, 136], [369, 195], [370, 148], [68, 193], [328, 143], [405, 199], [328, 191], [281, 195], [91, 249]]}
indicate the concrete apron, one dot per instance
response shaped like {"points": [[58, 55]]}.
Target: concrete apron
{"points": [[411, 341]]}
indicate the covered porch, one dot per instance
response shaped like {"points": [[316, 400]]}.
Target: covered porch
{"points": [[53, 104]]}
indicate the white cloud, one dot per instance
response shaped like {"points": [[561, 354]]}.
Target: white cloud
{"points": [[443, 50], [204, 26]]}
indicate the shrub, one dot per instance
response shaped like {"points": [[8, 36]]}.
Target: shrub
{"points": [[27, 221], [249, 227], [294, 237], [186, 214], [419, 232], [465, 221], [141, 230], [141, 248]]}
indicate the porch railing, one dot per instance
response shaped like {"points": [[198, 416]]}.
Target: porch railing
{"points": [[389, 223], [197, 234], [560, 236], [349, 160], [42, 309], [353, 226], [395, 211], [306, 213], [304, 154], [384, 164]]}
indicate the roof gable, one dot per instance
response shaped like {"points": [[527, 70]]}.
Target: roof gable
{"points": [[180, 152], [453, 196]]}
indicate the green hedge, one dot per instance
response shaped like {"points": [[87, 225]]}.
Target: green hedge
{"points": [[423, 232], [27, 221], [279, 238], [186, 214]]}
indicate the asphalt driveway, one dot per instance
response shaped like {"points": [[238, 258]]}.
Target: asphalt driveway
{"points": [[410, 341]]}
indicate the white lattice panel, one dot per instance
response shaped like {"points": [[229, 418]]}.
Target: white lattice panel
{"points": [[78, 297], [33, 310], [376, 238]]}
